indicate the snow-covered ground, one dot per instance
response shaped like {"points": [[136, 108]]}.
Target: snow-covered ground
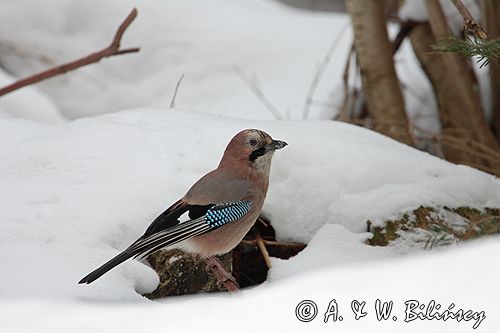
{"points": [[75, 193], [457, 277], [27, 103]]}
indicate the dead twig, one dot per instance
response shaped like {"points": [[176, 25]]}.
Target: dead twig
{"points": [[112, 50], [468, 146], [263, 250], [320, 70], [274, 243], [345, 113], [172, 102], [258, 92], [470, 25], [261, 220]]}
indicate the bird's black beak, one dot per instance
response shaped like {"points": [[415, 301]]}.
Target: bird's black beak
{"points": [[276, 144]]}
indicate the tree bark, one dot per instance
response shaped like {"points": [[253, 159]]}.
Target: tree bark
{"points": [[380, 84], [491, 16], [448, 100], [467, 120]]}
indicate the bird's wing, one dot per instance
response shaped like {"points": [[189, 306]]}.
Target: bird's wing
{"points": [[215, 187], [166, 230], [213, 217], [170, 217], [218, 186]]}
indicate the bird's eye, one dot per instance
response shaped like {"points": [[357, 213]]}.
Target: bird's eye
{"points": [[253, 142]]}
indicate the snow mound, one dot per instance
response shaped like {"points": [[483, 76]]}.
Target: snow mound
{"points": [[75, 194], [27, 103], [446, 277]]}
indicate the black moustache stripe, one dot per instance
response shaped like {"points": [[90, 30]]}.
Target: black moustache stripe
{"points": [[256, 153]]}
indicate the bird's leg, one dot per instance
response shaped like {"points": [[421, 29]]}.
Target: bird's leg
{"points": [[225, 280]]}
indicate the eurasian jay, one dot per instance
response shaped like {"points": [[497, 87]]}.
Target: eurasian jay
{"points": [[222, 206]]}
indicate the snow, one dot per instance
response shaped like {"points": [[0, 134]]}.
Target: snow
{"points": [[223, 54], [333, 245], [92, 186], [27, 103], [416, 10], [419, 98], [218, 46], [446, 277], [76, 192]]}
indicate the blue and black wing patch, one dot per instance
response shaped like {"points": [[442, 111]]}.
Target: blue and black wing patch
{"points": [[222, 214]]}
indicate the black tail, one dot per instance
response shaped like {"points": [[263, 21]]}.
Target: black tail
{"points": [[91, 277], [146, 245]]}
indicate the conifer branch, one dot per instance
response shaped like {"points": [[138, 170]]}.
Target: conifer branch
{"points": [[486, 51]]}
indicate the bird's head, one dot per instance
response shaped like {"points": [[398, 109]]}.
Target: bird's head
{"points": [[253, 148]]}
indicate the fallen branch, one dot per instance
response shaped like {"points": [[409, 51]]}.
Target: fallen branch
{"points": [[112, 50], [262, 247], [262, 221], [270, 243]]}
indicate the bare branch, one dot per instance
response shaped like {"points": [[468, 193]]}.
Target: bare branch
{"points": [[270, 243], [318, 74], [172, 103], [469, 147], [112, 50], [115, 44], [345, 112], [470, 25]]}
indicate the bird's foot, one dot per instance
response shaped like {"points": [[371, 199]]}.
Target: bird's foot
{"points": [[225, 280]]}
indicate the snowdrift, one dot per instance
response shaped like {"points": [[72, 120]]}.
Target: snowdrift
{"points": [[75, 194]]}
